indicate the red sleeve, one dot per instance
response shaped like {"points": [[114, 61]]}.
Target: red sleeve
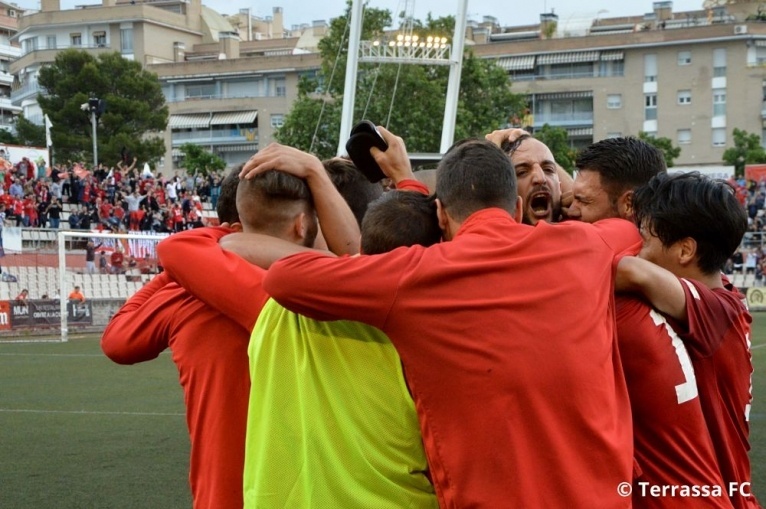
{"points": [[710, 317], [321, 287], [620, 235], [412, 185], [220, 279], [139, 330]]}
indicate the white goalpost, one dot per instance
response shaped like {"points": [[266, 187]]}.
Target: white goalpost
{"points": [[123, 263]]}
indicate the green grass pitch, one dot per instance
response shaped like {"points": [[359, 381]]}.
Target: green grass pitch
{"points": [[77, 431]]}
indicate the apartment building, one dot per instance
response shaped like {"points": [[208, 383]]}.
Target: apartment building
{"points": [[225, 92], [230, 79], [688, 76], [9, 51]]}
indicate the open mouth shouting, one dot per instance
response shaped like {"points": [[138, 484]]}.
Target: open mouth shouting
{"points": [[539, 207]]}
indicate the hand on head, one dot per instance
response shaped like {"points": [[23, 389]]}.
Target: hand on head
{"points": [[499, 136], [283, 158]]}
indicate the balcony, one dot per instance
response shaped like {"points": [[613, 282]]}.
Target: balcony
{"points": [[47, 56], [214, 137], [564, 119], [24, 92]]}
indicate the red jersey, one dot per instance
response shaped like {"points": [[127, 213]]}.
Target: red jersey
{"points": [[210, 352], [516, 377], [718, 339], [672, 443]]}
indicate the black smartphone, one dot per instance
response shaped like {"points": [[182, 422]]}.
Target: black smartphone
{"points": [[363, 137]]}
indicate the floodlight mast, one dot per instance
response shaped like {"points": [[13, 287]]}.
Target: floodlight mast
{"points": [[415, 54]]}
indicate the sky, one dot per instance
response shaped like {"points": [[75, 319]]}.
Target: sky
{"points": [[508, 13]]}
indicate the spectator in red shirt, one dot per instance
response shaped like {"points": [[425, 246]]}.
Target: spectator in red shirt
{"points": [[117, 261]]}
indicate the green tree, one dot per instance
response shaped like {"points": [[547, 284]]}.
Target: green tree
{"points": [[29, 134], [408, 99], [557, 140], [747, 149], [135, 114], [670, 152], [199, 160]]}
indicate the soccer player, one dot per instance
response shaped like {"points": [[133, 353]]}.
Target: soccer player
{"points": [[210, 349], [672, 443], [330, 423], [515, 375], [690, 225], [607, 173], [541, 181]]}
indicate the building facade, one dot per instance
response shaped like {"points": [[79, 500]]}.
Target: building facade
{"points": [[223, 93], [230, 80], [691, 76]]}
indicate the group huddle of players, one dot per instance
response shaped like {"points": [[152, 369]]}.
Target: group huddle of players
{"points": [[509, 337]]}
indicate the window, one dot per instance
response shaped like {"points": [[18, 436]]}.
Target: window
{"points": [[50, 42], [684, 58], [719, 137], [30, 44], [126, 40], [719, 102], [277, 87], [650, 68], [684, 97], [203, 91], [719, 63], [614, 101], [277, 120], [75, 39], [684, 136], [99, 39], [650, 107]]}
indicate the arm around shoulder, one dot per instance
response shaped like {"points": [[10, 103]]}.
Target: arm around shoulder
{"points": [[660, 287]]}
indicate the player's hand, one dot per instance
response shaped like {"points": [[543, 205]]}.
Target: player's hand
{"points": [[394, 162], [500, 135], [282, 158]]}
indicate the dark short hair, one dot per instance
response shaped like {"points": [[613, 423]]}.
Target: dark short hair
{"points": [[267, 200], [352, 185], [400, 218], [226, 208], [509, 147], [475, 175], [623, 163], [674, 207]]}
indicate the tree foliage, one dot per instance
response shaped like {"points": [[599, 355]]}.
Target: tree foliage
{"points": [[557, 140], [135, 114], [29, 134], [408, 99], [670, 152], [199, 160], [747, 149]]}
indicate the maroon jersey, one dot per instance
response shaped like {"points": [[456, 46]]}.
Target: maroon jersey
{"points": [[671, 440], [718, 340]]}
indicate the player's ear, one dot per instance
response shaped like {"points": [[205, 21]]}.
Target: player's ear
{"points": [[686, 251], [518, 213], [625, 205]]}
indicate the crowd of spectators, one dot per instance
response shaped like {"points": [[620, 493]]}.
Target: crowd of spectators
{"points": [[749, 258], [118, 199]]}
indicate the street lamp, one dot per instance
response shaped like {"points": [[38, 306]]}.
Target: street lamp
{"points": [[96, 107]]}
